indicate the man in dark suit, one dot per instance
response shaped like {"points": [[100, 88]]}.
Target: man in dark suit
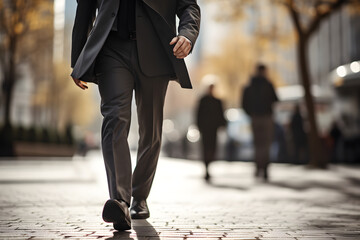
{"points": [[132, 45], [258, 100], [210, 116]]}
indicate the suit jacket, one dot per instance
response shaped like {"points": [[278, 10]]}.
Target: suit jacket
{"points": [[155, 27]]}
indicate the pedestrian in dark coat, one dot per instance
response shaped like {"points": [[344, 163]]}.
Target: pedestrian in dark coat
{"points": [[299, 136], [210, 116], [258, 99]]}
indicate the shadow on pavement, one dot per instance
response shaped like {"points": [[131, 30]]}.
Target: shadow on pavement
{"points": [[346, 187], [143, 230], [353, 180], [120, 235], [303, 186], [224, 186]]}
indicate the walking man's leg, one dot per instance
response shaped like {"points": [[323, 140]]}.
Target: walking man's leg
{"points": [[116, 84], [256, 144], [263, 134], [209, 150], [150, 96], [268, 139]]}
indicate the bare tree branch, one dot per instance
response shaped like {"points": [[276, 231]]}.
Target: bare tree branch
{"points": [[290, 5], [332, 7]]}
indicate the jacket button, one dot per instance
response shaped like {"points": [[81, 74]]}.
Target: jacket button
{"points": [[113, 14]]}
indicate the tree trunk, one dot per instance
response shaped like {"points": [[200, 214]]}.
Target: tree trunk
{"points": [[7, 135], [9, 81], [8, 92], [317, 156]]}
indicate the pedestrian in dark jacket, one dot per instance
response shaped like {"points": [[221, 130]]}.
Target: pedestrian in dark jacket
{"points": [[210, 116], [299, 136], [258, 99]]}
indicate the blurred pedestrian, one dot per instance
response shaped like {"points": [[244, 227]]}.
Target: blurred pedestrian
{"points": [[127, 46], [258, 99], [210, 116], [336, 137], [279, 151], [299, 136]]}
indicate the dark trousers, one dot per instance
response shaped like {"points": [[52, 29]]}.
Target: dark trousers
{"points": [[118, 73], [208, 139], [263, 133]]}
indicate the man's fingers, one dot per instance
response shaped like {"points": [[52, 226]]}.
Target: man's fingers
{"points": [[186, 47], [179, 43], [181, 56], [174, 40], [80, 84], [181, 48], [184, 53]]}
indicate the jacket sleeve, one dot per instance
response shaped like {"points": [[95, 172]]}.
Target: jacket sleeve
{"points": [[188, 12], [273, 94], [222, 120], [85, 14]]}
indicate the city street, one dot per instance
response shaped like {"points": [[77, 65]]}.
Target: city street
{"points": [[63, 199]]}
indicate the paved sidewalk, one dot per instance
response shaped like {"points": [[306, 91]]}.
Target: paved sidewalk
{"points": [[56, 199]]}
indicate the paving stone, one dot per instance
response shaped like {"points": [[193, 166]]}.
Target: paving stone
{"points": [[297, 203]]}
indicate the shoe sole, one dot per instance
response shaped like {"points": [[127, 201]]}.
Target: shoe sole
{"points": [[114, 213], [121, 226], [140, 216]]}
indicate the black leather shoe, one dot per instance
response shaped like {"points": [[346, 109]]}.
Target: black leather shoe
{"points": [[139, 210], [117, 212]]}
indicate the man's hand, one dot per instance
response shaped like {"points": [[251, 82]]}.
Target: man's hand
{"points": [[182, 47], [80, 84]]}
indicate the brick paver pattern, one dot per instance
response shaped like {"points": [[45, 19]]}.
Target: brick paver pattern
{"points": [[63, 199]]}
